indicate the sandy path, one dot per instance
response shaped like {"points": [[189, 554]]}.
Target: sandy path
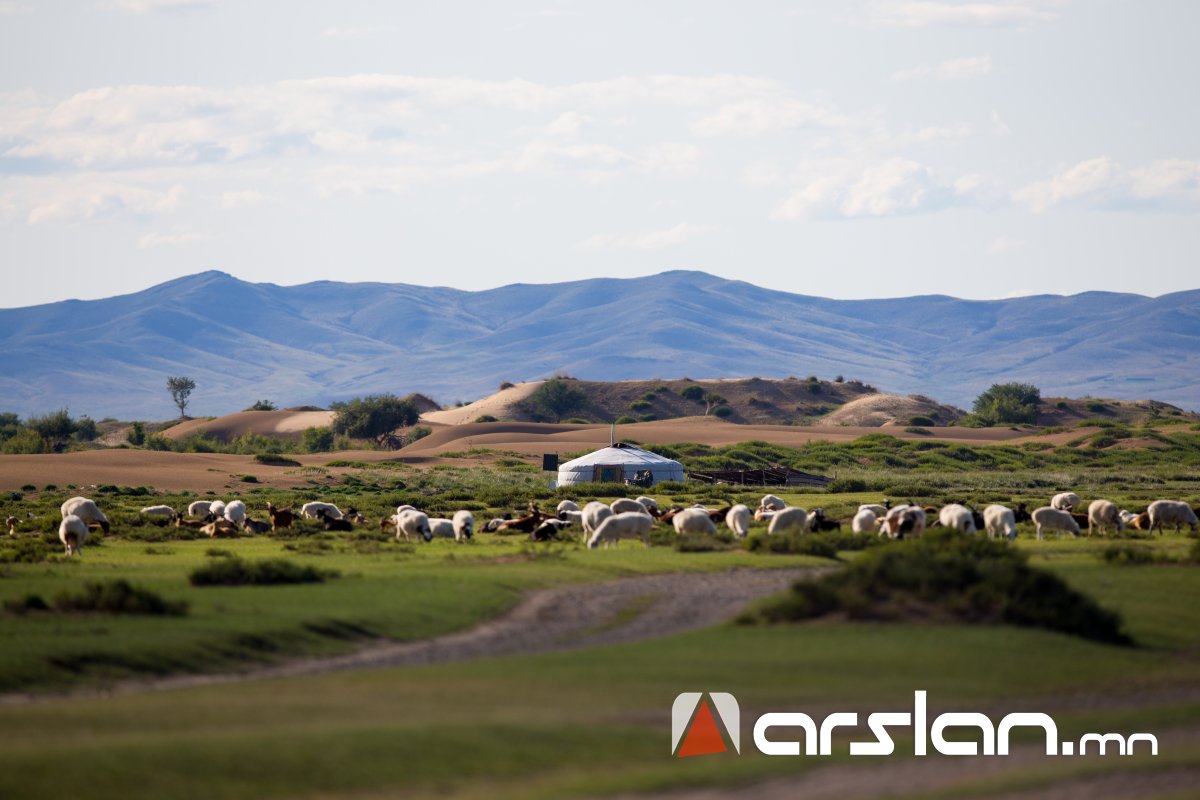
{"points": [[564, 617]]}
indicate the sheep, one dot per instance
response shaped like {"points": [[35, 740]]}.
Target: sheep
{"points": [[693, 520], [864, 521], [11, 522], [958, 517], [999, 520], [413, 522], [441, 527], [1104, 514], [280, 517], [217, 508], [159, 511], [770, 502], [878, 510], [72, 532], [330, 523], [1126, 517], [738, 520], [763, 515], [624, 505], [624, 525], [1171, 512], [566, 505], [1064, 501], [794, 518], [253, 526], [571, 517], [901, 521], [594, 513], [464, 525], [199, 508], [650, 504], [86, 510], [235, 512], [309, 510], [1053, 519]]}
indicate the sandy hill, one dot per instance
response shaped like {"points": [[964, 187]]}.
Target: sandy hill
{"points": [[875, 410], [1071, 411], [285, 424]]}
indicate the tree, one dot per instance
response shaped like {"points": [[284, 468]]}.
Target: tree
{"points": [[1008, 403], [373, 416], [181, 389], [136, 435], [711, 401], [10, 425], [557, 398], [262, 405], [53, 428], [316, 440]]}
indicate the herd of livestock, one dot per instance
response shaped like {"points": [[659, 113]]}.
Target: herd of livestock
{"points": [[607, 523]]}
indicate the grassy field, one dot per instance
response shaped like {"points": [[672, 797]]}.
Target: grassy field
{"points": [[571, 723]]}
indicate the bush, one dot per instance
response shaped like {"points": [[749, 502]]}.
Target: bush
{"points": [[577, 421], [639, 405], [1096, 407], [970, 579], [119, 597], [625, 419], [267, 572], [136, 435], [791, 544], [317, 440], [846, 486], [373, 416], [557, 398], [918, 431], [262, 405], [276, 460], [486, 418], [692, 392], [1127, 554], [921, 421], [1008, 403], [722, 411]]}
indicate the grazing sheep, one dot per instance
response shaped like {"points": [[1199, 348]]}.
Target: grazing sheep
{"points": [[11, 522], [72, 532], [999, 520], [280, 517], [1171, 512], [86, 510], [738, 520], [794, 518], [1103, 514], [1054, 519], [566, 505], [904, 521], [235, 512], [864, 521], [693, 520], [413, 522], [1127, 517], [330, 523], [624, 505], [199, 508], [958, 517], [650, 504], [1064, 501], [763, 515], [220, 528], [158, 511], [309, 510], [464, 525], [253, 526], [441, 527], [217, 508], [770, 502], [624, 525], [878, 510], [571, 517], [594, 513]]}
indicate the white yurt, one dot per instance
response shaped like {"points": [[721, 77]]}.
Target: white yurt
{"points": [[618, 463]]}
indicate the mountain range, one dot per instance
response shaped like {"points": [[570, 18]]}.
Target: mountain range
{"points": [[324, 341]]}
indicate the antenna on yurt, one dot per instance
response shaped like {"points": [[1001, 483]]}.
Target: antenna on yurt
{"points": [[612, 435]]}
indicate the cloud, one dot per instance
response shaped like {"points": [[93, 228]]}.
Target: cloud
{"points": [[12, 8], [954, 69], [241, 199], [650, 240], [766, 115], [77, 199], [920, 14], [1006, 244], [168, 239], [150, 6], [1165, 184], [848, 189]]}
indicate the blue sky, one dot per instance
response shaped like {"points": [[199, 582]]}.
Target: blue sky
{"points": [[845, 149]]}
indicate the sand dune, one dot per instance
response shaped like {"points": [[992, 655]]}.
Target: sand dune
{"points": [[285, 424], [498, 405]]}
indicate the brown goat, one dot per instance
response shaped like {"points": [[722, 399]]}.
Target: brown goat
{"points": [[280, 517]]}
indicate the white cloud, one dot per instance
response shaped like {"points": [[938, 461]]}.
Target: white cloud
{"points": [[161, 239], [670, 158], [1169, 184], [244, 198], [568, 123], [11, 8], [1005, 244], [933, 135], [650, 240], [76, 199], [954, 69], [148, 6], [766, 115], [848, 189], [922, 14]]}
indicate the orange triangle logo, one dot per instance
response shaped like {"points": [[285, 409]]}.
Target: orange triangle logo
{"points": [[703, 737]]}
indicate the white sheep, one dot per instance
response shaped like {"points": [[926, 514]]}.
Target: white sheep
{"points": [[878, 510], [235, 512], [1064, 501], [72, 532], [763, 515], [571, 518], [567, 505], [86, 510], [794, 518], [310, 510], [1104, 514], [864, 521], [650, 504], [624, 505], [738, 520], [1127, 517], [999, 520], [158, 511], [217, 508], [693, 520], [771, 503], [1171, 512], [594, 513], [441, 528], [464, 525], [199, 508], [1054, 519], [902, 521], [958, 517], [624, 525], [412, 522]]}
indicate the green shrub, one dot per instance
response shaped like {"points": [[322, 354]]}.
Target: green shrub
{"points": [[625, 419], [639, 405], [486, 418], [918, 431], [316, 440], [791, 544], [249, 479], [136, 435], [846, 486], [921, 421], [118, 597], [1127, 554], [276, 460], [239, 572], [692, 392], [577, 421], [1096, 407], [722, 411]]}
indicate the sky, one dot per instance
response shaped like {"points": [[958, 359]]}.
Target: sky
{"points": [[849, 149]]}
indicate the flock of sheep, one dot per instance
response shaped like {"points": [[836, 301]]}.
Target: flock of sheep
{"points": [[605, 524]]}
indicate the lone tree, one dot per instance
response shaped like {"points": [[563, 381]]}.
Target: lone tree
{"points": [[181, 389], [374, 416], [1008, 403], [711, 401], [557, 398]]}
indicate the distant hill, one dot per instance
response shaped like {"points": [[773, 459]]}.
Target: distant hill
{"points": [[325, 341]]}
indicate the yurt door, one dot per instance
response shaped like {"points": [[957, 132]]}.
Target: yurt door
{"points": [[609, 473]]}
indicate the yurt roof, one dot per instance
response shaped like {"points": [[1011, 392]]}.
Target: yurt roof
{"points": [[619, 454]]}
